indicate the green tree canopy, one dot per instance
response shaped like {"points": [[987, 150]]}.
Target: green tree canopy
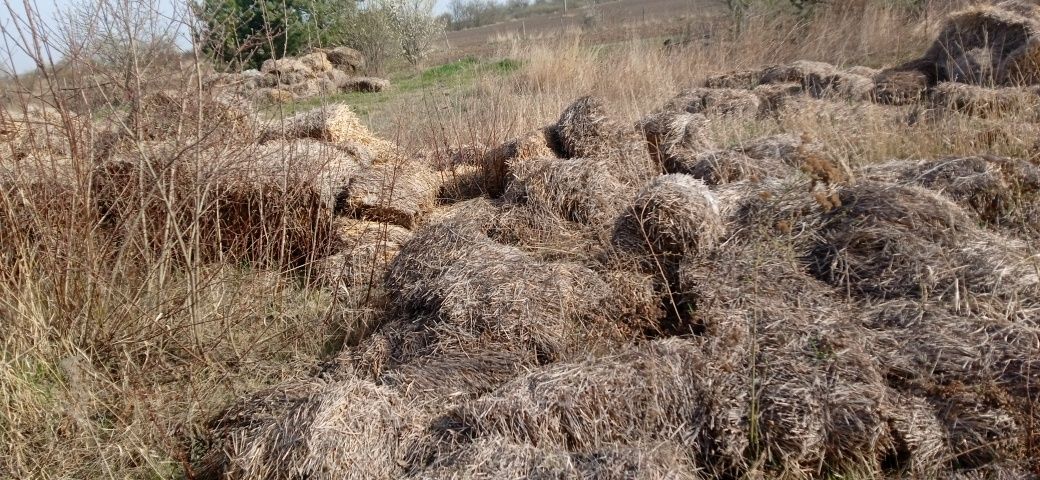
{"points": [[247, 32]]}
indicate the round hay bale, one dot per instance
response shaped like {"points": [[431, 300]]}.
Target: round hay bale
{"points": [[262, 202], [364, 85], [316, 62], [311, 428], [395, 192], [975, 41], [346, 58], [577, 189], [714, 101], [675, 215], [671, 135]]}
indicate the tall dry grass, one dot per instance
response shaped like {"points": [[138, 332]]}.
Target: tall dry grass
{"points": [[112, 356]]}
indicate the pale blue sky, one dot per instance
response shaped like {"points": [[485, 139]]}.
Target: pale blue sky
{"points": [[12, 12]]}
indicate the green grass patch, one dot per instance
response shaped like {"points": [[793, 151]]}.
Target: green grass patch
{"points": [[449, 76]]}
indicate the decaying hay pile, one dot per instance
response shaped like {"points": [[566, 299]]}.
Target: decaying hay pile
{"points": [[603, 300], [321, 72], [600, 300]]}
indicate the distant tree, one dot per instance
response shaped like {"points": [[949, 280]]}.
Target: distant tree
{"points": [[247, 32]]}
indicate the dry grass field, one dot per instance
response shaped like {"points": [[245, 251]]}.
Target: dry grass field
{"points": [[804, 248]]}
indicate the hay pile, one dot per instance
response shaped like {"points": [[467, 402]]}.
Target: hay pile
{"points": [[577, 313], [337, 124], [321, 72], [397, 192]]}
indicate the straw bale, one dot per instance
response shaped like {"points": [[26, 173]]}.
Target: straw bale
{"points": [[975, 41], [316, 62], [338, 77], [672, 135], [767, 157], [364, 84], [459, 291], [900, 86], [586, 130], [310, 429], [495, 457], [261, 201], [283, 66], [774, 96], [364, 250], [744, 79], [1003, 192], [394, 192], [719, 167], [333, 123], [715, 101], [346, 58], [919, 437], [577, 189], [986, 102], [887, 240], [841, 85], [675, 215], [868, 72], [173, 114], [495, 165], [275, 95], [979, 432]]}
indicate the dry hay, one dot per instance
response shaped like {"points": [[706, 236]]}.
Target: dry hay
{"points": [[254, 202], [905, 84], [457, 291], [333, 123], [775, 156], [820, 399], [495, 457], [316, 62], [494, 166], [364, 84], [973, 375], [987, 102], [674, 216], [397, 192], [672, 136], [364, 251], [887, 241], [586, 130], [314, 428], [821, 80], [175, 114], [1003, 192], [744, 79], [346, 58], [275, 95], [715, 101], [285, 66], [774, 96], [576, 189]]}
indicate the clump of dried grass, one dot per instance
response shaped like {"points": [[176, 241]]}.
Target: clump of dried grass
{"points": [[398, 192], [312, 428], [716, 101], [1014, 102], [672, 135], [363, 252], [675, 215], [577, 189], [178, 114], [337, 124], [346, 58], [494, 166], [1003, 192], [585, 129]]}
